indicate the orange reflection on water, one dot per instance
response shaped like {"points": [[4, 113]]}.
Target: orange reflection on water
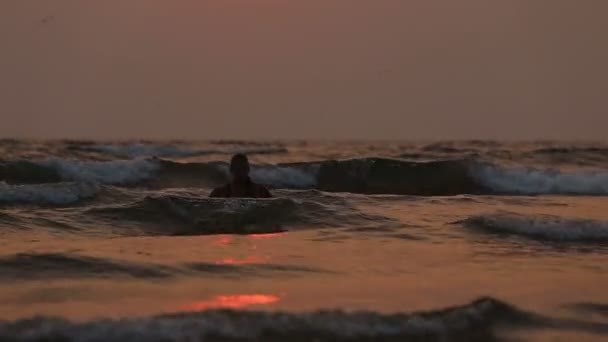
{"points": [[266, 236], [223, 240], [245, 261], [231, 302]]}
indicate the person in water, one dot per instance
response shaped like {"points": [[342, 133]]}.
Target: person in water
{"points": [[240, 186]]}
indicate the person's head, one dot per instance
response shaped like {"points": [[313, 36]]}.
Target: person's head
{"points": [[239, 167]]}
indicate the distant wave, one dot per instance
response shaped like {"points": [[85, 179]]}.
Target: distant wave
{"points": [[546, 228], [183, 215], [573, 150], [450, 147], [138, 150], [473, 322], [593, 308], [365, 176], [52, 194]]}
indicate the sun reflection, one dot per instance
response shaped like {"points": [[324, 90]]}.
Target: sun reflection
{"points": [[223, 240], [231, 302], [266, 236], [244, 261]]}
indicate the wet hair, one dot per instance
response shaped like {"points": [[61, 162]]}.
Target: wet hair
{"points": [[239, 158]]}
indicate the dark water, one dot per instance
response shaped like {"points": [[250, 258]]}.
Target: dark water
{"points": [[463, 241]]}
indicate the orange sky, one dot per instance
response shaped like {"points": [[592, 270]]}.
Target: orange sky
{"points": [[420, 69]]}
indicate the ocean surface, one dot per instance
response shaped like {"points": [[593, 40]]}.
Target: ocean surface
{"points": [[364, 241]]}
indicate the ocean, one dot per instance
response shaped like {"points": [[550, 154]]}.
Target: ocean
{"points": [[363, 241]]}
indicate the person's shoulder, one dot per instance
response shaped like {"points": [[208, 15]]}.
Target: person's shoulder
{"points": [[222, 191]]}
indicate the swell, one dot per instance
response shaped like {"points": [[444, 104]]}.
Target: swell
{"points": [[389, 176], [47, 194], [184, 215], [472, 322], [541, 227], [365, 176], [48, 266]]}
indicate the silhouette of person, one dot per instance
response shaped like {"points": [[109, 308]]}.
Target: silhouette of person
{"points": [[241, 185]]}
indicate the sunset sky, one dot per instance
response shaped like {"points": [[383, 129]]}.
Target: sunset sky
{"points": [[331, 69]]}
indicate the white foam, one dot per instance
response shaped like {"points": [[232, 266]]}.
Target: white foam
{"points": [[59, 194], [539, 181], [110, 172], [544, 227]]}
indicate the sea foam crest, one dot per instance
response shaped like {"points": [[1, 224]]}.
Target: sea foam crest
{"points": [[542, 227], [109, 172], [539, 181], [284, 176], [58, 194]]}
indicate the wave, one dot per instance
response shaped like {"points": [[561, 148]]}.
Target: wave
{"points": [[364, 176], [215, 173], [390, 176], [30, 266], [55, 170], [440, 178], [52, 194], [544, 228], [49, 265], [184, 215], [450, 148], [531, 181], [473, 322], [449, 177], [572, 150], [139, 150], [592, 308], [27, 172]]}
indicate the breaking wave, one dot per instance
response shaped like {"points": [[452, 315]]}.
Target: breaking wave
{"points": [[365, 176], [473, 322], [452, 177], [539, 181], [545, 228], [108, 172]]}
